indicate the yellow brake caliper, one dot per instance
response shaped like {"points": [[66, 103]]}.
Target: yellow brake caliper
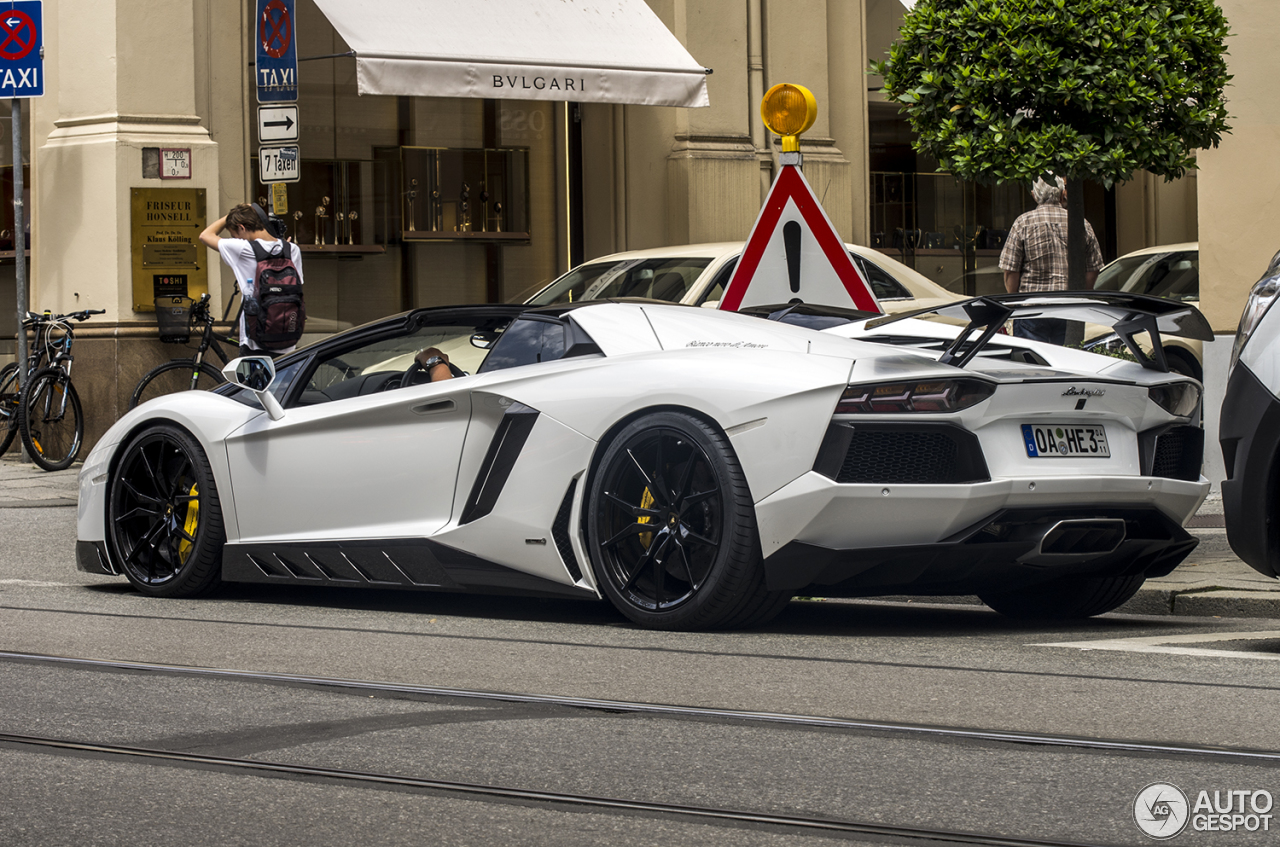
{"points": [[646, 501], [191, 524]]}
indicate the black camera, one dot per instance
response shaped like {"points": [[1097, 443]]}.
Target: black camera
{"points": [[272, 224]]}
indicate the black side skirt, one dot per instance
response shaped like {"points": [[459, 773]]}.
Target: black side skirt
{"points": [[403, 563]]}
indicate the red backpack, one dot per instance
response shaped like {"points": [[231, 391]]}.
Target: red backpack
{"points": [[275, 314]]}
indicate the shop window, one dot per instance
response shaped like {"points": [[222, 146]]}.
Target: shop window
{"points": [[6, 209], [8, 270], [338, 206], [477, 194], [950, 230]]}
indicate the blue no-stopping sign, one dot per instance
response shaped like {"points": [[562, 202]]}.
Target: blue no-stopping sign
{"points": [[21, 49], [276, 64]]}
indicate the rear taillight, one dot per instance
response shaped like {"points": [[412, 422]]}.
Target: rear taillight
{"points": [[945, 395]]}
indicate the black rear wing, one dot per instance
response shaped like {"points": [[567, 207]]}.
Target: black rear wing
{"points": [[1127, 314]]}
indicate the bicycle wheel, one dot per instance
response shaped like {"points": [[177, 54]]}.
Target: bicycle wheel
{"points": [[49, 418], [8, 405], [173, 376]]}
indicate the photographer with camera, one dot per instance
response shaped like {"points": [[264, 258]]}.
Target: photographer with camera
{"points": [[269, 273]]}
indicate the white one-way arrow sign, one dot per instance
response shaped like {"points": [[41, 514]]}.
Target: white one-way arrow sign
{"points": [[277, 123]]}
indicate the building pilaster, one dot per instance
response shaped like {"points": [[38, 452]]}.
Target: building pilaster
{"points": [[110, 100]]}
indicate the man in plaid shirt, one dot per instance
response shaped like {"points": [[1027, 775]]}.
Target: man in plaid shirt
{"points": [[1035, 257]]}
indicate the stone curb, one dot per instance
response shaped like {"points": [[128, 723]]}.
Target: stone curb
{"points": [[1154, 599]]}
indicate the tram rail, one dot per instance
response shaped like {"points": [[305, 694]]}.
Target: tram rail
{"points": [[1010, 737]]}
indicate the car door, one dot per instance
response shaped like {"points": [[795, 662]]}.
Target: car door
{"points": [[357, 454]]}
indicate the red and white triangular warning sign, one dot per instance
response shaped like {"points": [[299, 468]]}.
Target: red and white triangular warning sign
{"points": [[794, 254]]}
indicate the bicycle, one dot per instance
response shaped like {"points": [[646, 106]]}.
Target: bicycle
{"points": [[175, 319], [46, 411]]}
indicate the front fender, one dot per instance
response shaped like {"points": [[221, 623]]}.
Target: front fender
{"points": [[208, 417]]}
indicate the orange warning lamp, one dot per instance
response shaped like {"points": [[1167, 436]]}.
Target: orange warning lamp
{"points": [[788, 110]]}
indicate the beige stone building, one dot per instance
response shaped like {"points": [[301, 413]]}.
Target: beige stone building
{"points": [[412, 201]]}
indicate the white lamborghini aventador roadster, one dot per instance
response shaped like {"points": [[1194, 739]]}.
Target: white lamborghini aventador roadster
{"points": [[696, 468]]}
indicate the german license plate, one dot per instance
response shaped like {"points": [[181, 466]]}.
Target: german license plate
{"points": [[1065, 441]]}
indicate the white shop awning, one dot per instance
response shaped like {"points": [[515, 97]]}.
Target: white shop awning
{"points": [[599, 51]]}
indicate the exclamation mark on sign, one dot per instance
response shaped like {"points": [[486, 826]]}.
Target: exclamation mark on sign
{"points": [[791, 243]]}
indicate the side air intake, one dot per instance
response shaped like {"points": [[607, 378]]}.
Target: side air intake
{"points": [[560, 534]]}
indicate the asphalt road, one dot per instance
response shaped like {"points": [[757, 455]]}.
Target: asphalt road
{"points": [[288, 760]]}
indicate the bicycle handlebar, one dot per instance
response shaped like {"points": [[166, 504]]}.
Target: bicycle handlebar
{"points": [[34, 319]]}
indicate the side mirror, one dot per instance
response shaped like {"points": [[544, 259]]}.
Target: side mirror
{"points": [[256, 373], [483, 340]]}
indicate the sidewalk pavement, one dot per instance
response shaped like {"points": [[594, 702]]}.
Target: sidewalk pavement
{"points": [[1211, 582]]}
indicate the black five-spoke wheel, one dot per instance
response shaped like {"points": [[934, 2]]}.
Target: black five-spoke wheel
{"points": [[165, 523], [672, 531]]}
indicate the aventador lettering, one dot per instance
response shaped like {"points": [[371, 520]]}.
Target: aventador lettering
{"points": [[540, 83]]}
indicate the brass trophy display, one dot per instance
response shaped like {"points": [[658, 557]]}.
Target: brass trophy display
{"points": [[352, 217], [464, 208], [412, 194], [297, 217], [476, 194], [322, 215]]}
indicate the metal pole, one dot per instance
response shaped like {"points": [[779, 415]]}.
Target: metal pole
{"points": [[19, 248]]}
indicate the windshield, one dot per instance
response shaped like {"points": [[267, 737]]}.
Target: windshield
{"points": [[1175, 274], [659, 279]]}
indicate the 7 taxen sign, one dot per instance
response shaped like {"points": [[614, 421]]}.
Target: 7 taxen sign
{"points": [[22, 50], [279, 164]]}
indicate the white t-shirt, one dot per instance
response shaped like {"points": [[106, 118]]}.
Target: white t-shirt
{"points": [[238, 255]]}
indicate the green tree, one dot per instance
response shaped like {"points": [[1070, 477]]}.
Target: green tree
{"points": [[1011, 90]]}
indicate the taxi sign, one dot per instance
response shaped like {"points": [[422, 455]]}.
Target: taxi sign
{"points": [[22, 50], [275, 35]]}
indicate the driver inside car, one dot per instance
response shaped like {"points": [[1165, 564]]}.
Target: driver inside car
{"points": [[433, 362]]}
